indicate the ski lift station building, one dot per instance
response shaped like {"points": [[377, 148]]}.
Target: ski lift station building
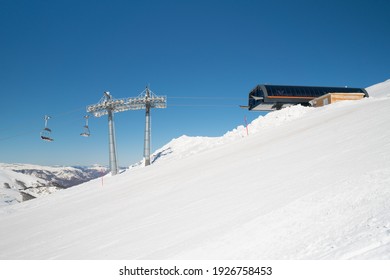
{"points": [[275, 97]]}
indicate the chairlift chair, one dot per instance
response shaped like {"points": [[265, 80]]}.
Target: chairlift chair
{"points": [[86, 132], [46, 132]]}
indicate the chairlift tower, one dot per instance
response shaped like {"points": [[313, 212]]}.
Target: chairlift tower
{"points": [[107, 106], [147, 100]]}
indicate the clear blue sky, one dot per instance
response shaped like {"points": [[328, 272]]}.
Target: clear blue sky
{"points": [[56, 57]]}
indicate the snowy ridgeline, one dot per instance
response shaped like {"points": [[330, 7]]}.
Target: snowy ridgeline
{"points": [[21, 182], [381, 90], [306, 183], [185, 146]]}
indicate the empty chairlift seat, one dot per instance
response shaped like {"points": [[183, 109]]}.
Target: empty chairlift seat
{"points": [[46, 132]]}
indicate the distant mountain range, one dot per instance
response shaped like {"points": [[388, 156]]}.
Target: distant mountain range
{"points": [[21, 182]]}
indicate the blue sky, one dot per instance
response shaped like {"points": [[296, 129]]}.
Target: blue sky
{"points": [[57, 57]]}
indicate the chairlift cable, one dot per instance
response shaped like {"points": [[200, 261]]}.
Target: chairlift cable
{"points": [[202, 105], [205, 98]]}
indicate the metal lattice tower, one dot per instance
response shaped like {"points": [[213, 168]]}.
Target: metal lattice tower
{"points": [[147, 100]]}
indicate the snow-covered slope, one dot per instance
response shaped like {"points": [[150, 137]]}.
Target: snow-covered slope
{"points": [[379, 90], [305, 184], [21, 182], [185, 146]]}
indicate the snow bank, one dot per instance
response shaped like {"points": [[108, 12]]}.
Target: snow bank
{"points": [[379, 90], [185, 146]]}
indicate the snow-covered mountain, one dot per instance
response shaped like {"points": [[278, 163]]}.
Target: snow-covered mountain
{"points": [[16, 187], [21, 182], [306, 183], [380, 90]]}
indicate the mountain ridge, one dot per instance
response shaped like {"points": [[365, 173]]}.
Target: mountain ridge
{"points": [[22, 182]]}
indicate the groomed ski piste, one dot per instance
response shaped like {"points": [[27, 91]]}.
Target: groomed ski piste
{"points": [[306, 183]]}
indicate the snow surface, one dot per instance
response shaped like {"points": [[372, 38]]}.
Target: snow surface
{"points": [[379, 90], [305, 184]]}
